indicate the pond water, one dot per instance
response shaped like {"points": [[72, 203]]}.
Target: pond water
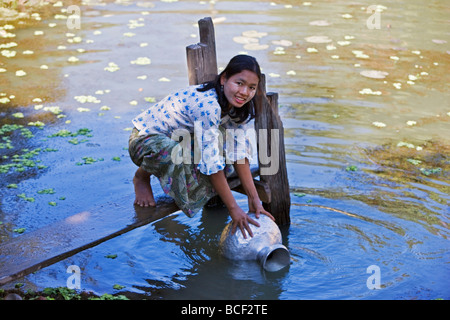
{"points": [[366, 115]]}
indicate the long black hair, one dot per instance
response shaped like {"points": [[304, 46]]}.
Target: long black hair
{"points": [[236, 65]]}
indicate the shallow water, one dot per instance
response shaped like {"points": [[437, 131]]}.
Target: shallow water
{"points": [[368, 188]]}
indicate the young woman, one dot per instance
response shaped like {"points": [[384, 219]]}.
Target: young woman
{"points": [[213, 108]]}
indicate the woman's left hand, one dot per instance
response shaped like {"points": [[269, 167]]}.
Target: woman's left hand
{"points": [[255, 205]]}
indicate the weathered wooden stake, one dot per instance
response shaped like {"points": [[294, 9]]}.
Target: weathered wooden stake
{"points": [[201, 57], [267, 120]]}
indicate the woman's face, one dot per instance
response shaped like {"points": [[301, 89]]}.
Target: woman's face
{"points": [[240, 88]]}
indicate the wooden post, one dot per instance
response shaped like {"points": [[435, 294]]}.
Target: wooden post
{"points": [[268, 124], [201, 57]]}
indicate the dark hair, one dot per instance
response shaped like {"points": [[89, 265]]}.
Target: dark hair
{"points": [[236, 65]]}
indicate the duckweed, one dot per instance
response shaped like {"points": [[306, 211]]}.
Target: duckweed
{"points": [[19, 230], [24, 197], [67, 133], [88, 160], [25, 161], [118, 287], [46, 191]]}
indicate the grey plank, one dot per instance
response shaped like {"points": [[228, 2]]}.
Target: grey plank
{"points": [[33, 251]]}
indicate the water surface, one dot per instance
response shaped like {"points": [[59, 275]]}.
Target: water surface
{"points": [[367, 157]]}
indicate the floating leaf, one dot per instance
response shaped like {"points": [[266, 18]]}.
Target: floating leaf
{"points": [[318, 39], [20, 73], [414, 161], [360, 54], [343, 43], [379, 124], [73, 59], [405, 144], [431, 171], [118, 287], [46, 191], [84, 99], [8, 53], [370, 91], [141, 61], [24, 197], [88, 160], [38, 124], [374, 74], [150, 99], [53, 109], [112, 67], [279, 51]]}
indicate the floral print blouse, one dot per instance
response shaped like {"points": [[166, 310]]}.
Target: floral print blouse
{"points": [[220, 139]]}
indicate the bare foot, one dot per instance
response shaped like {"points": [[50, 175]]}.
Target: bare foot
{"points": [[143, 189]]}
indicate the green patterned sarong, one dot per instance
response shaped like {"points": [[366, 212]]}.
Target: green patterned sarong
{"points": [[190, 189]]}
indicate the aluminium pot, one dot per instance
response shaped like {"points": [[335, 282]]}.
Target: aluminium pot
{"points": [[265, 246]]}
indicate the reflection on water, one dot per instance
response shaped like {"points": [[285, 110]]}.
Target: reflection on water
{"points": [[366, 119]]}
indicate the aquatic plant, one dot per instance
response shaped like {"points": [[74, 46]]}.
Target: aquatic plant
{"points": [[57, 293]]}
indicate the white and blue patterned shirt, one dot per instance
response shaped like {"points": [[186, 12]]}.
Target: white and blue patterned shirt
{"points": [[200, 114]]}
